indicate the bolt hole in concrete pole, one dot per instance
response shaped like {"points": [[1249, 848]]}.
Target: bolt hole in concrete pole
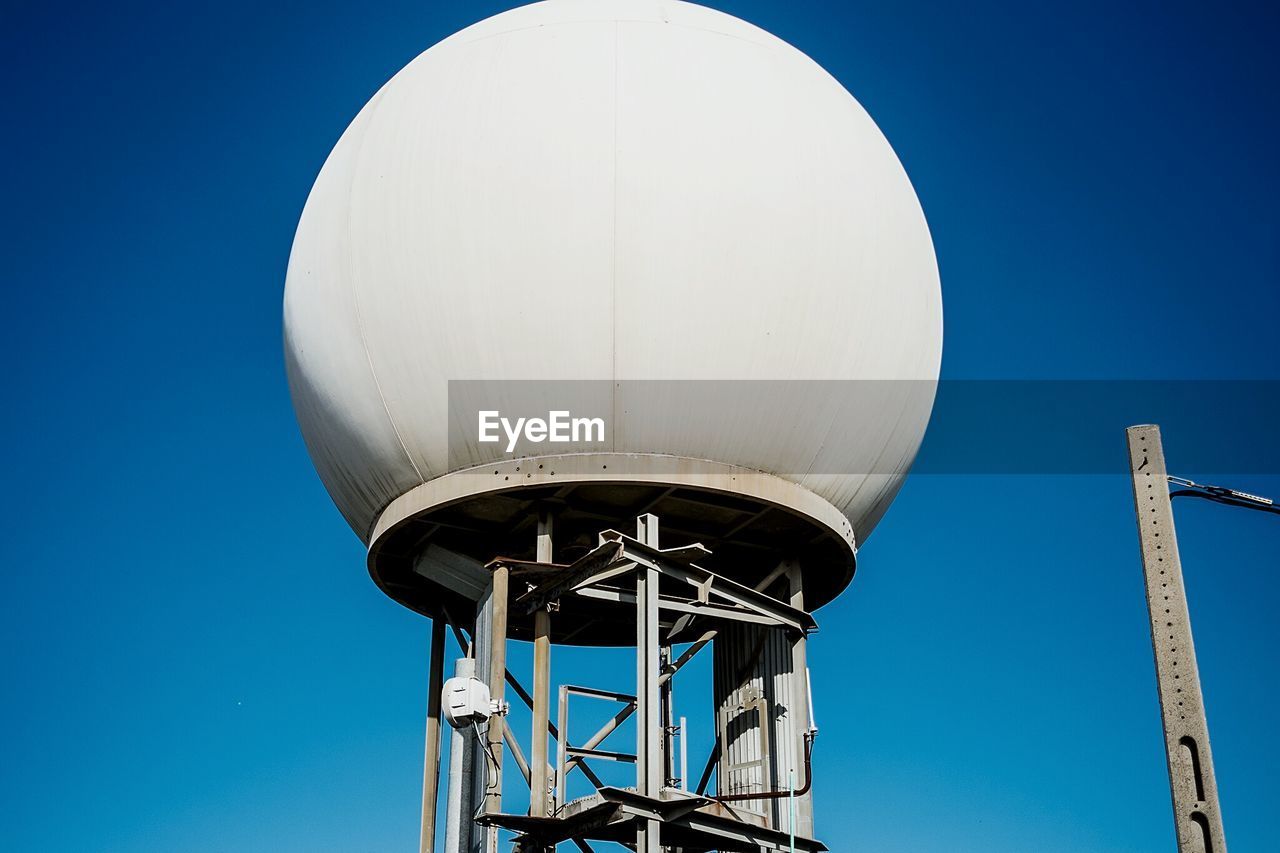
{"points": [[1192, 757]]}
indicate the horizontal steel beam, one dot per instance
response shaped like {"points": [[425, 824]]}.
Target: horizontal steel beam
{"points": [[685, 813], [576, 753], [566, 578], [674, 605], [708, 582], [595, 693], [513, 745]]}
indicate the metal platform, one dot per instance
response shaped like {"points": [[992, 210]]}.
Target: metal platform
{"points": [[662, 596], [429, 548], [689, 823]]}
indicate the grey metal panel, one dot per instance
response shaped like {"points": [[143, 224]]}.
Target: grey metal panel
{"points": [[757, 661], [454, 571], [742, 658]]}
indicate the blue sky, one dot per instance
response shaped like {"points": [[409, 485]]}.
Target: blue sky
{"points": [[195, 658]]}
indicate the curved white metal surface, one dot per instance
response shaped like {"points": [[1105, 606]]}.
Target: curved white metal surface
{"points": [[578, 468], [610, 190]]}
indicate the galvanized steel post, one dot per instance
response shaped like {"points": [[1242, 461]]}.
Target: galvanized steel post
{"points": [[538, 776], [497, 683], [648, 712], [798, 710], [459, 797]]}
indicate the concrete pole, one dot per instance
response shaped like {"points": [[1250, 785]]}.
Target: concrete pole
{"points": [[539, 783], [497, 687], [1186, 732], [458, 808], [431, 753], [648, 712]]}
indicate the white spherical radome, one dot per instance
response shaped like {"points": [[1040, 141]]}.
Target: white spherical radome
{"points": [[610, 190]]}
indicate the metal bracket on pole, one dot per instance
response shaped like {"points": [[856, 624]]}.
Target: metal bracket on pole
{"points": [[1194, 788]]}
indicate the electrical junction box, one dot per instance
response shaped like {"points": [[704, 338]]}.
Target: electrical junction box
{"points": [[466, 701]]}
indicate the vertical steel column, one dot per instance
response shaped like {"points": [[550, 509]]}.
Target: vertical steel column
{"points": [[1186, 732], [562, 748], [476, 835], [431, 752], [497, 685], [648, 712], [538, 781], [684, 755], [665, 701], [798, 709]]}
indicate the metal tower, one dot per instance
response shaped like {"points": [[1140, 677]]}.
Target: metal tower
{"points": [[764, 727]]}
